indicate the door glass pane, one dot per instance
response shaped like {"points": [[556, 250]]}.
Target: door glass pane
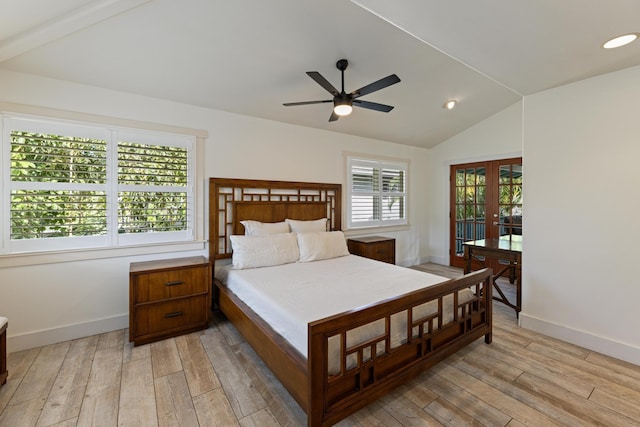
{"points": [[505, 174], [480, 195], [516, 197], [471, 195], [470, 177], [516, 173], [468, 212], [481, 176]]}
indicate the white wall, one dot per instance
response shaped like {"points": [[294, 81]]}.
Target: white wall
{"points": [[497, 137], [582, 198], [54, 302]]}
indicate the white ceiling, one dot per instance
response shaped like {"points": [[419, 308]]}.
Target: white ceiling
{"points": [[250, 56]]}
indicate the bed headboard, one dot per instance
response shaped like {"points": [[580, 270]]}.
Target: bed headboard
{"points": [[235, 200]]}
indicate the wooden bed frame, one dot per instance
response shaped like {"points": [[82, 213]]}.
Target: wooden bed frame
{"points": [[329, 398]]}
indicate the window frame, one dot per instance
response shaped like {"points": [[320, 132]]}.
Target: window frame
{"points": [[159, 237], [89, 247], [381, 164]]}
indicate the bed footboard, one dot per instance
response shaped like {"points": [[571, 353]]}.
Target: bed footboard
{"points": [[370, 369]]}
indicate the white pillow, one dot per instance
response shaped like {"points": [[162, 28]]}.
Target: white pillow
{"points": [[322, 245], [312, 226], [264, 251], [257, 228]]}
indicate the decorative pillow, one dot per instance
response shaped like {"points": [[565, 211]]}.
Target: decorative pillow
{"points": [[312, 226], [257, 228], [264, 251], [321, 245]]}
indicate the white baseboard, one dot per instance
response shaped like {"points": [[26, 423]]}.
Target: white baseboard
{"points": [[619, 350], [408, 263], [436, 260], [64, 333]]}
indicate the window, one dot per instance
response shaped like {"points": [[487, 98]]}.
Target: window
{"points": [[376, 193], [76, 185]]}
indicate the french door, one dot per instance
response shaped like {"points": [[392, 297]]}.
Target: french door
{"points": [[485, 202]]}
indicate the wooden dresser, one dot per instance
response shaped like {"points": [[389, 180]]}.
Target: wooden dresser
{"points": [[374, 247], [168, 298]]}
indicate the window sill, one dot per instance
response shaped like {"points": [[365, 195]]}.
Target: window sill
{"points": [[361, 231], [38, 258]]}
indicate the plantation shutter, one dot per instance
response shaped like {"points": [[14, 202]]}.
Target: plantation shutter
{"points": [[57, 186], [74, 185], [377, 195], [155, 194]]}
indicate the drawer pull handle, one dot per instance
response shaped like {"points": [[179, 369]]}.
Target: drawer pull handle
{"points": [[174, 314], [177, 282]]}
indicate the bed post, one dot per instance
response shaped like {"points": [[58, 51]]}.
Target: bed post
{"points": [[487, 285], [316, 374]]}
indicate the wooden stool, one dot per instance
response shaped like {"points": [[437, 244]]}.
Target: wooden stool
{"points": [[4, 322]]}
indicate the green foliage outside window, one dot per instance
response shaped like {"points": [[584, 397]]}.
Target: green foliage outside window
{"points": [[59, 187]]}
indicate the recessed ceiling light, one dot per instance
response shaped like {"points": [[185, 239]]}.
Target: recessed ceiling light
{"points": [[449, 105], [620, 41]]}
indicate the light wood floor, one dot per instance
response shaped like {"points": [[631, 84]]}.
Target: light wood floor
{"points": [[214, 378]]}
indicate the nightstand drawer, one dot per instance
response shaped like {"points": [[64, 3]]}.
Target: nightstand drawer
{"points": [[163, 285], [380, 252], [171, 315], [374, 247], [168, 298]]}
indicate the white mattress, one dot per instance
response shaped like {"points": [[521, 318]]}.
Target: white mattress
{"points": [[290, 296]]}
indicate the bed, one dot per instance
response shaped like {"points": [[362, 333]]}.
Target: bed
{"points": [[340, 371]]}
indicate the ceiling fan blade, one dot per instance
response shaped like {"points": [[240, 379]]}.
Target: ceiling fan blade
{"points": [[323, 82], [333, 117], [289, 104], [372, 105], [372, 87]]}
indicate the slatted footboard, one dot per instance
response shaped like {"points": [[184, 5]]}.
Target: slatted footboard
{"points": [[370, 369]]}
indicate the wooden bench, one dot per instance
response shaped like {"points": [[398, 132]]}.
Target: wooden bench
{"points": [[4, 322]]}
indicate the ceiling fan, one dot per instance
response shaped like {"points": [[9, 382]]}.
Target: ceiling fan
{"points": [[342, 101]]}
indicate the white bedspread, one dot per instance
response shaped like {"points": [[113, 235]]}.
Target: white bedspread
{"points": [[290, 296]]}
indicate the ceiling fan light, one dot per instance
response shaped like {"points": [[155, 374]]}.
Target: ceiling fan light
{"points": [[343, 109], [450, 105], [620, 41]]}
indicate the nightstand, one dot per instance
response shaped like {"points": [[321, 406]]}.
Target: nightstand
{"points": [[374, 247], [168, 298]]}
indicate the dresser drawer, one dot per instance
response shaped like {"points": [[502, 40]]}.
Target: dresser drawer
{"points": [[161, 285], [171, 315]]}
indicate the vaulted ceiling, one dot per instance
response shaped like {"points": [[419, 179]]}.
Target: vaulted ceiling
{"points": [[250, 56]]}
